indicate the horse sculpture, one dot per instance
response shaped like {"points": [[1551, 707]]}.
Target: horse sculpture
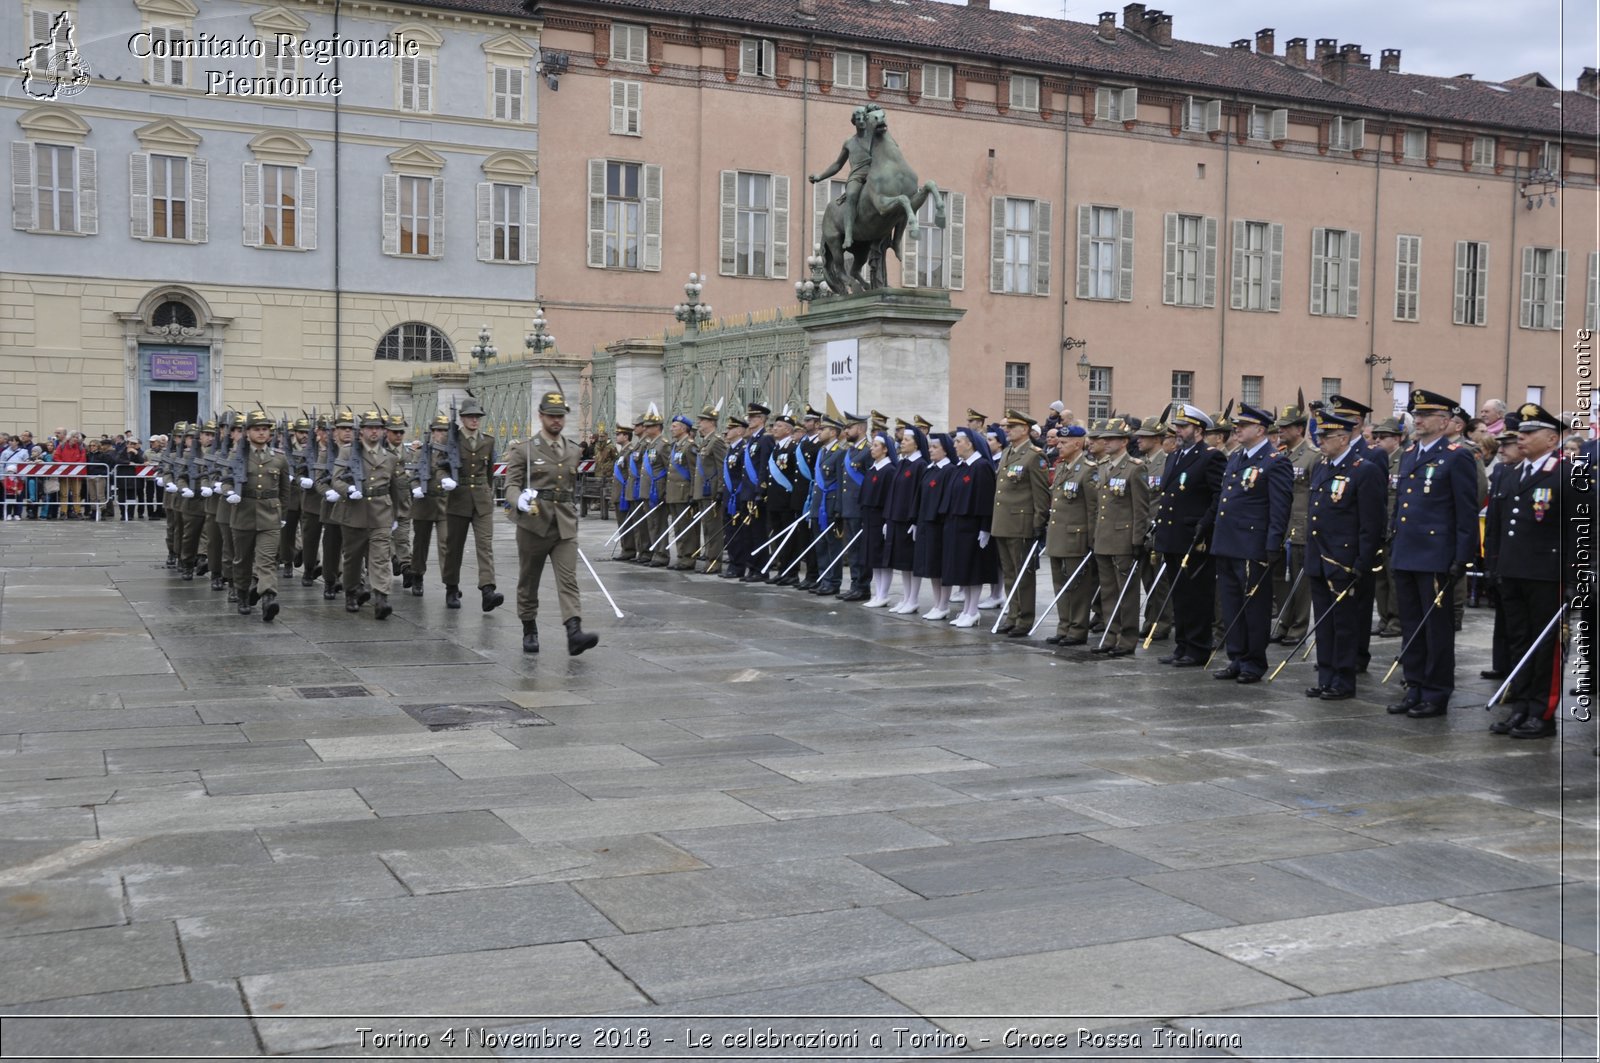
{"points": [[886, 212]]}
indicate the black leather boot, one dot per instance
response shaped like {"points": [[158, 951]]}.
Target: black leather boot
{"points": [[216, 583], [269, 606], [255, 593], [405, 579], [530, 636], [188, 572], [328, 592], [380, 606], [578, 639], [351, 605], [244, 607], [452, 597], [416, 585], [394, 565], [491, 597], [233, 595]]}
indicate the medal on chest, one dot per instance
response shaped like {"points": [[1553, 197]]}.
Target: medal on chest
{"points": [[1541, 501], [1247, 480], [1427, 480], [1183, 481], [1337, 487]]}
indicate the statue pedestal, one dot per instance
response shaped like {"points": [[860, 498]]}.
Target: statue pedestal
{"points": [[885, 350]]}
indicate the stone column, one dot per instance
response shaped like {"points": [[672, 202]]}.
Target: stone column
{"points": [[640, 380], [894, 343]]}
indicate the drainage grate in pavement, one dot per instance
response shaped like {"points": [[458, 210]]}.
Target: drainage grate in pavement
{"points": [[346, 691], [464, 716]]}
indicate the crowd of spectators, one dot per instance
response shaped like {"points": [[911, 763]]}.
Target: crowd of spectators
{"points": [[112, 489]]}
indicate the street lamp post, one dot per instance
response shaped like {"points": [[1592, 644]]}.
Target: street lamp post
{"points": [[814, 286], [1070, 344], [540, 339], [484, 351], [693, 313], [1388, 374]]}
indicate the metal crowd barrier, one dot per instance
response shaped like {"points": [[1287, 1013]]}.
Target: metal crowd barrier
{"points": [[94, 490]]}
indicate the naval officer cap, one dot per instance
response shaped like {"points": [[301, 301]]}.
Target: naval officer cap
{"points": [[1424, 401], [1331, 420], [1183, 413], [755, 409]]}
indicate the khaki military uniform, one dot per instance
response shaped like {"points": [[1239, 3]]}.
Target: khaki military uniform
{"points": [[401, 535], [427, 521], [709, 492], [332, 522], [1067, 543], [1021, 508], [1121, 508], [469, 508], [367, 520], [549, 530], [191, 512], [289, 538], [1303, 458], [310, 522], [605, 471], [678, 494], [220, 518], [254, 519]]}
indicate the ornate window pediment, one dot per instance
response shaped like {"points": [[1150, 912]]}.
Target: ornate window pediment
{"points": [[511, 167], [55, 124], [169, 136], [509, 46], [279, 20], [280, 146], [416, 159]]}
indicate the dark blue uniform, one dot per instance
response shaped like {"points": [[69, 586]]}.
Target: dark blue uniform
{"points": [[1435, 529], [1190, 481], [757, 453], [826, 519], [786, 499], [805, 535], [738, 532], [856, 461], [1345, 525], [1248, 525]]}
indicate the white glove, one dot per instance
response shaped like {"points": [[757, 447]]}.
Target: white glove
{"points": [[187, 493], [394, 525], [206, 492], [306, 483], [886, 531], [913, 533], [233, 499], [448, 484], [217, 486], [355, 494], [172, 487], [417, 492], [525, 500], [331, 495], [983, 540]]}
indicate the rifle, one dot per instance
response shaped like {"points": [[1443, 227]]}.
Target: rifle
{"points": [[351, 461], [238, 470], [306, 457], [452, 449]]}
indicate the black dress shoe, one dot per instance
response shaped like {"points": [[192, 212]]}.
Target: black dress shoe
{"points": [[530, 636], [452, 597], [269, 607], [788, 581], [1102, 649], [1005, 629], [1338, 695], [578, 639], [808, 584], [216, 583], [1230, 672], [1187, 662], [1492, 673], [751, 577], [1017, 633], [1120, 651], [1053, 640], [1246, 678], [394, 566], [658, 564], [1426, 709], [1399, 708], [1170, 658], [1316, 692], [1510, 723], [416, 588], [1074, 642], [491, 597], [857, 595], [1535, 728]]}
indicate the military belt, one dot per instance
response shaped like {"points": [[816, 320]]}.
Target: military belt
{"points": [[556, 496]]}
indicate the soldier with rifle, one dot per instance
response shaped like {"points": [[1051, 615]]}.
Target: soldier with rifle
{"points": [[332, 518], [256, 490], [466, 473], [308, 464], [290, 552], [395, 428], [427, 503], [370, 486]]}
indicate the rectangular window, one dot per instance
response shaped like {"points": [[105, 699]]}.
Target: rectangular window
{"points": [[1347, 134], [1416, 144], [1182, 385], [416, 214], [1268, 124], [753, 234], [279, 58], [1550, 157], [1103, 236], [1335, 272], [56, 188], [506, 223], [279, 208], [1469, 398], [1190, 264], [1018, 247], [1099, 392], [1535, 395], [623, 215], [169, 67], [627, 108], [1257, 265], [937, 81], [1331, 386], [416, 83], [1201, 116], [1407, 276], [1250, 390], [932, 250], [1017, 376], [757, 58], [849, 70], [1471, 283], [1483, 151], [629, 43], [508, 93], [1116, 105], [1024, 92], [1544, 282], [894, 80], [169, 197]]}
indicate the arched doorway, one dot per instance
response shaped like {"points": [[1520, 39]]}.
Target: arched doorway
{"points": [[173, 359]]}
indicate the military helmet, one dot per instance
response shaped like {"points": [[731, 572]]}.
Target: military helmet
{"points": [[182, 428], [372, 419], [470, 408], [257, 419], [209, 426], [554, 403]]}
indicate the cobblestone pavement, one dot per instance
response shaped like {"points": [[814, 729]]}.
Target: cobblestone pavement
{"points": [[745, 802]]}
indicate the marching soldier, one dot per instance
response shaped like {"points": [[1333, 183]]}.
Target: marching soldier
{"points": [[1021, 511], [191, 507], [401, 535], [655, 456], [311, 503], [469, 508], [232, 443], [1066, 540], [1294, 610], [1151, 437], [370, 506], [709, 491], [542, 474], [214, 448], [1190, 481], [332, 509], [1247, 526], [257, 504], [289, 556], [1119, 508], [1434, 536], [1345, 500], [1387, 437], [682, 456], [427, 505]]}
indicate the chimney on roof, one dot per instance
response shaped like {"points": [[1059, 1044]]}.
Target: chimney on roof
{"points": [[1333, 68], [1352, 54], [1589, 81], [1133, 17], [1158, 27], [1327, 47], [982, 5], [1108, 26], [806, 9], [1265, 39], [1390, 60], [1241, 45], [1294, 52]]}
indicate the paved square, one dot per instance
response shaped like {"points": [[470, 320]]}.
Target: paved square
{"points": [[747, 803]]}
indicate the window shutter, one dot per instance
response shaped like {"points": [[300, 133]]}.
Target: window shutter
{"points": [[1102, 104], [39, 32], [727, 223], [530, 224], [1208, 262], [514, 81], [910, 255], [89, 193], [1169, 269], [1043, 224], [1352, 274], [997, 244], [1085, 220], [634, 104], [391, 214], [1213, 116], [956, 239], [306, 185], [485, 200], [408, 83], [436, 237], [619, 107], [424, 83], [1558, 289], [769, 58], [1526, 320], [1319, 268], [1356, 134], [1280, 124], [501, 91], [652, 218], [1458, 311], [819, 206], [597, 213], [139, 195], [1275, 271], [1236, 294], [1483, 284], [779, 262], [1125, 254], [22, 214], [158, 63], [1130, 105], [199, 201], [252, 207]]}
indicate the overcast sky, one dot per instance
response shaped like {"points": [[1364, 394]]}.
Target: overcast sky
{"points": [[1493, 39]]}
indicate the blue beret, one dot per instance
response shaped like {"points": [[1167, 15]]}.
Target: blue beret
{"points": [[1076, 430]]}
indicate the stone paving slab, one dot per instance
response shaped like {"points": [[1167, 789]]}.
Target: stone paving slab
{"points": [[719, 774], [490, 866], [881, 794], [1564, 913], [52, 823], [1432, 817], [225, 1031], [630, 816], [801, 839], [27, 862], [413, 743], [826, 767], [291, 884], [1214, 842], [372, 835], [1566, 989], [244, 756], [63, 904], [1253, 893], [81, 962], [987, 821], [1376, 946], [250, 811], [412, 797], [1178, 802], [506, 759], [957, 869], [1418, 871], [400, 771]]}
